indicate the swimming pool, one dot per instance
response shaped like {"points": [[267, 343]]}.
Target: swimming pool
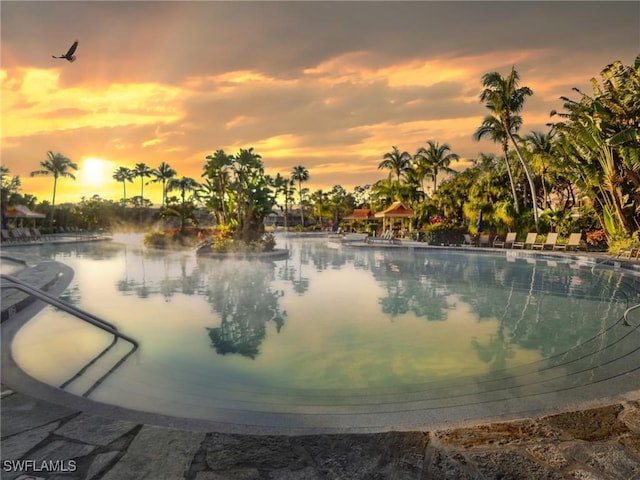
{"points": [[362, 339]]}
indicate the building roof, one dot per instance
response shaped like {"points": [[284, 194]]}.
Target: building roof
{"points": [[22, 211], [359, 214], [396, 210]]}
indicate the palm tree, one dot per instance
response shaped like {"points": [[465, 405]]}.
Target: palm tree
{"points": [[603, 133], [141, 170], [217, 169], [300, 174], [493, 129], [284, 187], [184, 211], [436, 159], [505, 100], [397, 162], [124, 174], [184, 184], [320, 201], [57, 165], [163, 173], [541, 147]]}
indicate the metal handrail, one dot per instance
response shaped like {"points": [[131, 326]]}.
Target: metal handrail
{"points": [[18, 284], [626, 313], [13, 259]]}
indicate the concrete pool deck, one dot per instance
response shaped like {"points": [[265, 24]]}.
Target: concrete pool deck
{"points": [[592, 442]]}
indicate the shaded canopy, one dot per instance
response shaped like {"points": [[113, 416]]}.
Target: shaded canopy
{"points": [[396, 212], [22, 211]]}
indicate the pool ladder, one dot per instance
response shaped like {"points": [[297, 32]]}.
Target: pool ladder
{"points": [[11, 282]]}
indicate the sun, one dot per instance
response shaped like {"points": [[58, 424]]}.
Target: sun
{"points": [[95, 171]]}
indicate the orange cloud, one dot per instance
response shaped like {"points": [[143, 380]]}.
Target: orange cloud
{"points": [[117, 104]]}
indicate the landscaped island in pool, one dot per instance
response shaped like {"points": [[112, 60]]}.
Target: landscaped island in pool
{"points": [[335, 339]]}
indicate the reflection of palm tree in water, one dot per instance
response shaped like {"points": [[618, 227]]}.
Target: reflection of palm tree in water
{"points": [[301, 284], [408, 289], [245, 302], [396, 303], [123, 285], [496, 350], [142, 290]]}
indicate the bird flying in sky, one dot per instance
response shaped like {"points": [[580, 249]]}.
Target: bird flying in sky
{"points": [[70, 54]]}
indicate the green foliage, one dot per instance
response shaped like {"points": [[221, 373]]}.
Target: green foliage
{"points": [[609, 222], [155, 239], [622, 242], [223, 244], [443, 234]]}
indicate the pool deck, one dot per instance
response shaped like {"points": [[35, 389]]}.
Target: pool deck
{"points": [[58, 440]]}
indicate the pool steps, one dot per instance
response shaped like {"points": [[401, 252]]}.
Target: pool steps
{"points": [[11, 282]]}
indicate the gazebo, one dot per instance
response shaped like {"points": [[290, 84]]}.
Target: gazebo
{"points": [[21, 212], [359, 214], [397, 212]]}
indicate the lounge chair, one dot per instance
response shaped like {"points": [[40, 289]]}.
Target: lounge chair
{"points": [[484, 240], [630, 253], [467, 239], [572, 243], [509, 240], [550, 242], [17, 235], [6, 236], [530, 240], [387, 236]]}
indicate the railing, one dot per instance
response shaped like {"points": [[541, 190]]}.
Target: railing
{"points": [[11, 282], [15, 260], [626, 313]]}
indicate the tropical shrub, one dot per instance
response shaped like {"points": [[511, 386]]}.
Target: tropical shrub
{"points": [[226, 244], [597, 240], [155, 239]]}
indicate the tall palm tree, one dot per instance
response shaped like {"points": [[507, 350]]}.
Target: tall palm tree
{"points": [[436, 159], [163, 173], [57, 165], [397, 162], [142, 170], [505, 100], [493, 129], [124, 175], [541, 147], [320, 201], [284, 187], [300, 174], [217, 169]]}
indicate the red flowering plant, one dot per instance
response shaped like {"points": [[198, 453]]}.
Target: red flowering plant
{"points": [[597, 239]]}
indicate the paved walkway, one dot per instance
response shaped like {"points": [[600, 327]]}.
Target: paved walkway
{"points": [[54, 441]]}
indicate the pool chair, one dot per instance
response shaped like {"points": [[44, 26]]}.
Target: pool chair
{"points": [[484, 240], [467, 239], [572, 243], [17, 235], [6, 236], [530, 240], [550, 242], [507, 242], [630, 253], [387, 236]]}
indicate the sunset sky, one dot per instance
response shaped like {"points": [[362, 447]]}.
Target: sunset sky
{"points": [[328, 85]]}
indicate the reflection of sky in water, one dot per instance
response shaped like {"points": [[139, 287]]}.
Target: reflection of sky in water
{"points": [[322, 319]]}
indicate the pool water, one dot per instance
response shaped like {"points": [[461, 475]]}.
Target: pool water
{"points": [[328, 333]]}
